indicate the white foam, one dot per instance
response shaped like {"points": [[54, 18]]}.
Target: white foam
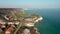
{"points": [[38, 19]]}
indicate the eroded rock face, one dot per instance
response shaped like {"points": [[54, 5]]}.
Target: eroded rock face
{"points": [[28, 30]]}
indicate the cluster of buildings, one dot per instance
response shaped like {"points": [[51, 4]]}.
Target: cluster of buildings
{"points": [[7, 26]]}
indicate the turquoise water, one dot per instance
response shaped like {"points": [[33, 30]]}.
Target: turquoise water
{"points": [[51, 20]]}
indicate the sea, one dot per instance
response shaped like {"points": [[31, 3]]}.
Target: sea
{"points": [[51, 20]]}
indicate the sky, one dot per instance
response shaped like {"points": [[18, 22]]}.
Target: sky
{"points": [[29, 3]]}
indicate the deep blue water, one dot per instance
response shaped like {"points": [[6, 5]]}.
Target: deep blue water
{"points": [[51, 20]]}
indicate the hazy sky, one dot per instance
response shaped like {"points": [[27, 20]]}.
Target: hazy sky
{"points": [[29, 3]]}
